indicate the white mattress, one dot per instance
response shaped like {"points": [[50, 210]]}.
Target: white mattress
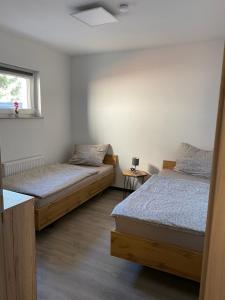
{"points": [[166, 209], [150, 231]]}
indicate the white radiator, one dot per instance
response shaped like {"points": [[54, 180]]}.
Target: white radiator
{"points": [[17, 166]]}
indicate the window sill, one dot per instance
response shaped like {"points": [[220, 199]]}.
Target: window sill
{"points": [[13, 117]]}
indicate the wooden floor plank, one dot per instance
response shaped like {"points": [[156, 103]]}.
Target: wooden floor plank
{"points": [[74, 261]]}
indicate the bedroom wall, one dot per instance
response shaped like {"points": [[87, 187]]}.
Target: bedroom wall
{"points": [[145, 102], [50, 136]]}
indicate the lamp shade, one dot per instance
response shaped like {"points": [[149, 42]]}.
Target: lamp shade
{"points": [[135, 161]]}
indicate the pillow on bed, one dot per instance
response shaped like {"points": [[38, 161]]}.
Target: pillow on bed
{"points": [[91, 155], [194, 161]]}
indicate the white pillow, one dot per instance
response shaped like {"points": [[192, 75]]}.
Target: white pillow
{"points": [[91, 155], [194, 161]]}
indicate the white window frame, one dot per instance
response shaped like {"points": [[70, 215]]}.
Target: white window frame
{"points": [[35, 92]]}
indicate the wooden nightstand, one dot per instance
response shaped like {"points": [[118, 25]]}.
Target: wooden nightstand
{"points": [[131, 179]]}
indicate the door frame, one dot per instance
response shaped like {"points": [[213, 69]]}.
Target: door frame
{"points": [[213, 270]]}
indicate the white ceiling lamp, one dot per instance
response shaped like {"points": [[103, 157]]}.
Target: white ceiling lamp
{"points": [[95, 16], [124, 8]]}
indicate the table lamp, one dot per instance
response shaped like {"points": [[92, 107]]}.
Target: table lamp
{"points": [[135, 163]]}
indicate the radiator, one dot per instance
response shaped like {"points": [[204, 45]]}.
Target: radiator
{"points": [[17, 166]]}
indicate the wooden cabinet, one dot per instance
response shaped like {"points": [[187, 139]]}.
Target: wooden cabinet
{"points": [[17, 248]]}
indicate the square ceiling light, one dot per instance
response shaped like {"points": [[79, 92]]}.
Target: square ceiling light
{"points": [[95, 16]]}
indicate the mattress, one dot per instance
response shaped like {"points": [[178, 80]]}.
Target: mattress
{"points": [[46, 180], [166, 209], [52, 182], [102, 171]]}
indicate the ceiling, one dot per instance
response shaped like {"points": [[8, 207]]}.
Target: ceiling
{"points": [[147, 23]]}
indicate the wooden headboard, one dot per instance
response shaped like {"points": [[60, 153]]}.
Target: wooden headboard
{"points": [[169, 164], [111, 159]]}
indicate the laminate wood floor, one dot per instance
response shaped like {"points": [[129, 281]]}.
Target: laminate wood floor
{"points": [[74, 262]]}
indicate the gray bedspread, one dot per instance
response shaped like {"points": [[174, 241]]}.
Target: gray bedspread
{"points": [[181, 175], [165, 201], [46, 180]]}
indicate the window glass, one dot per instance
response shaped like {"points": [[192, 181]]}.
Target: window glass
{"points": [[14, 88]]}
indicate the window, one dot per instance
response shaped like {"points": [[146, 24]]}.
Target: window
{"points": [[19, 88]]}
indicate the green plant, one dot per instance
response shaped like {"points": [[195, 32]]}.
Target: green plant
{"points": [[10, 87]]}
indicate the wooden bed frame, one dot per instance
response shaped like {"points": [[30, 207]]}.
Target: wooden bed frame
{"points": [[161, 256], [51, 212]]}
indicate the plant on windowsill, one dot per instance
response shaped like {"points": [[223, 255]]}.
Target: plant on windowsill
{"points": [[16, 108]]}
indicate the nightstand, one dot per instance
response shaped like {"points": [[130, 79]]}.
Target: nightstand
{"points": [[131, 179]]}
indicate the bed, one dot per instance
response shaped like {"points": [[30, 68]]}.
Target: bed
{"points": [[60, 188], [153, 233]]}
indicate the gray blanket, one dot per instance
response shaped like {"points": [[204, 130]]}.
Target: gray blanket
{"points": [[164, 201], [46, 180]]}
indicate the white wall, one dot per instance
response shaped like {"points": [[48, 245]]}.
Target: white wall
{"points": [[50, 136], [144, 103]]}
